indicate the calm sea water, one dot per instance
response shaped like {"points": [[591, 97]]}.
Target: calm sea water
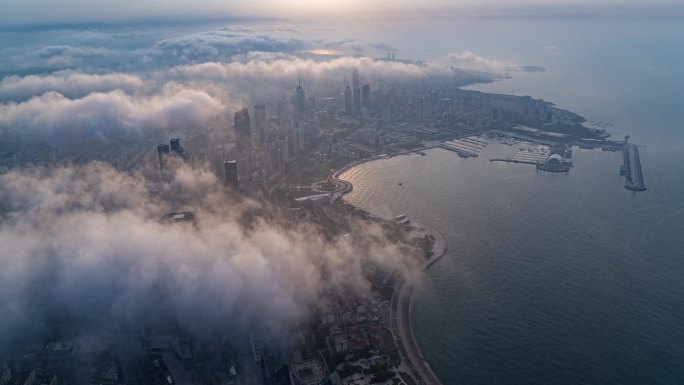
{"points": [[557, 279]]}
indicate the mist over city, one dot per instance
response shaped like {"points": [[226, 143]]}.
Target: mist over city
{"points": [[341, 193]]}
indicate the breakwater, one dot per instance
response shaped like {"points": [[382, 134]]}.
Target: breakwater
{"points": [[634, 179]]}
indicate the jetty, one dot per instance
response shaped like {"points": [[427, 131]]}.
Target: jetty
{"points": [[514, 161], [634, 179]]}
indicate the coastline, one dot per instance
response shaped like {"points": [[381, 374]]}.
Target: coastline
{"points": [[400, 309], [420, 369]]}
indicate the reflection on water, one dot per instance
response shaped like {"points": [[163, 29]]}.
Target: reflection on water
{"points": [[550, 278]]}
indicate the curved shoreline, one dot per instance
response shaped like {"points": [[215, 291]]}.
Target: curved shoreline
{"points": [[412, 357], [403, 311]]}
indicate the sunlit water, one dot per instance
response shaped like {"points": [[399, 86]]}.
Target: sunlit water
{"points": [[557, 279]]}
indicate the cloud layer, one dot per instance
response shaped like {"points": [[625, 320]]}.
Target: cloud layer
{"points": [[471, 60], [77, 248], [73, 104], [115, 112]]}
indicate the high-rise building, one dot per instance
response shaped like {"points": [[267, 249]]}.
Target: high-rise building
{"points": [[365, 96], [283, 146], [255, 182], [175, 149], [230, 173], [260, 123], [163, 151], [243, 132], [356, 92], [357, 102], [348, 101], [300, 101]]}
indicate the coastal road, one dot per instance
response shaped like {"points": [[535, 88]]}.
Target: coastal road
{"points": [[401, 322], [419, 368]]}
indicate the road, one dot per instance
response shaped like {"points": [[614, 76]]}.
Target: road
{"points": [[400, 321]]}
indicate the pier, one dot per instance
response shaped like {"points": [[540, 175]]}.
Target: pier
{"points": [[634, 179], [514, 161]]}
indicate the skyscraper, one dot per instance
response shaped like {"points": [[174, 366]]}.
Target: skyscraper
{"points": [[348, 101], [162, 150], [260, 123], [230, 173], [299, 101], [356, 92], [175, 149], [365, 96], [243, 131]]}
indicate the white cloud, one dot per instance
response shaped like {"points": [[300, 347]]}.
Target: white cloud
{"points": [[85, 243], [110, 112], [468, 59], [471, 60], [69, 84], [258, 68]]}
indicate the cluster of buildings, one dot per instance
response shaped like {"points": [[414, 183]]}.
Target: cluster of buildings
{"points": [[26, 376], [51, 364], [352, 338], [277, 135]]}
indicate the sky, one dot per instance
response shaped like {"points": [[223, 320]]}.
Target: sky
{"points": [[19, 12]]}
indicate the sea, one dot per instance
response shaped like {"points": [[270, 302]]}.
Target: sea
{"points": [[551, 278]]}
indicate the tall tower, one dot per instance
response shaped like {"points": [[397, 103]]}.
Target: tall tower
{"points": [[365, 96], [299, 101], [230, 173], [163, 151], [260, 122], [243, 131], [357, 92], [348, 101]]}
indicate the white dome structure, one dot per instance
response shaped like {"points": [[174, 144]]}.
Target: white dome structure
{"points": [[554, 160]]}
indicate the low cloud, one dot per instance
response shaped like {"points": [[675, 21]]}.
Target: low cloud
{"points": [[340, 45], [72, 104], [49, 58], [258, 68], [69, 84], [471, 60], [215, 45], [384, 47], [109, 113], [77, 249]]}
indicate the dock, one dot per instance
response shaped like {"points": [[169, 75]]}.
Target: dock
{"points": [[514, 161], [634, 179]]}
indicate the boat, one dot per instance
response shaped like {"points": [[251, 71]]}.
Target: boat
{"points": [[400, 217]]}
